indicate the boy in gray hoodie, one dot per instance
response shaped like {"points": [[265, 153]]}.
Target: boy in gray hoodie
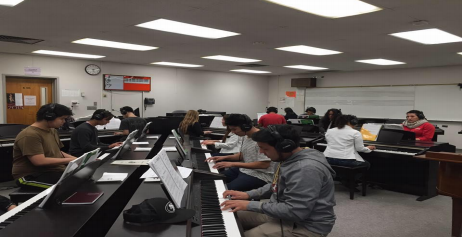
{"points": [[301, 194]]}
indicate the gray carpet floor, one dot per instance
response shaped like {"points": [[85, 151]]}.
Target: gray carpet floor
{"points": [[384, 213]]}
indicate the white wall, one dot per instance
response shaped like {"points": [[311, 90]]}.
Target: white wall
{"points": [[172, 88], [278, 85]]}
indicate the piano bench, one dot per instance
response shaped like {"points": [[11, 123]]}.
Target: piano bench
{"points": [[350, 174], [22, 195]]}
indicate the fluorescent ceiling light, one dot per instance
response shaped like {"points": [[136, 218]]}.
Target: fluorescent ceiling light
{"points": [[329, 8], [380, 61], [113, 44], [249, 71], [10, 3], [429, 36], [186, 29], [308, 50], [77, 55], [306, 67], [232, 59], [177, 64], [460, 53]]}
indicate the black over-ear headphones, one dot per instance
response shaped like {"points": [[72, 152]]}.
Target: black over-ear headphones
{"points": [[420, 114], [271, 109], [100, 115], [50, 114], [123, 111], [247, 125], [353, 120], [282, 144]]}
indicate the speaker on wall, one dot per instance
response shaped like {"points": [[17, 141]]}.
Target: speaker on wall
{"points": [[303, 82]]}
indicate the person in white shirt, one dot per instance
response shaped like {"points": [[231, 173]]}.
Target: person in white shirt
{"points": [[229, 145], [344, 143]]}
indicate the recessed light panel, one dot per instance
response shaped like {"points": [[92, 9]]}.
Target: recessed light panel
{"points": [[76, 55], [305, 67], [232, 59], [308, 50], [380, 61], [249, 71], [10, 3], [113, 44], [186, 29], [429, 36], [329, 8], [176, 64]]}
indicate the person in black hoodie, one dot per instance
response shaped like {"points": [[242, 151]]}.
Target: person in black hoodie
{"points": [[191, 126], [290, 114], [85, 137]]}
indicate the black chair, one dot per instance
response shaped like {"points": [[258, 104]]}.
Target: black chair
{"points": [[350, 174], [22, 195]]}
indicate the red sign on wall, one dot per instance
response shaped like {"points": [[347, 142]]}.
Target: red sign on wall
{"points": [[126, 83]]}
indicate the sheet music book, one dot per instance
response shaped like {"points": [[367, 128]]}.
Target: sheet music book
{"points": [[172, 181], [216, 123], [370, 131], [130, 162]]}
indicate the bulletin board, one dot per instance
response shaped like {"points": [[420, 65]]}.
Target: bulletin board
{"points": [[126, 83]]}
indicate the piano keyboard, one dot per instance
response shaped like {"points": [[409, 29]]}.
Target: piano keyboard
{"points": [[381, 151], [214, 221], [202, 165], [22, 209], [203, 146], [211, 164]]}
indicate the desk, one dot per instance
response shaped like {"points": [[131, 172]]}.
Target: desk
{"points": [[84, 220]]}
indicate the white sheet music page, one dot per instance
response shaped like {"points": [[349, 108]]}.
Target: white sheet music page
{"points": [[173, 182]]}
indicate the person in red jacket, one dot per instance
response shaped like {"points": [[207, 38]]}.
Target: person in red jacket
{"points": [[417, 123], [271, 118]]}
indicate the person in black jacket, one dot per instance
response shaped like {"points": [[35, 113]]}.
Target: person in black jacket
{"points": [[290, 114], [191, 126], [328, 121], [85, 137]]}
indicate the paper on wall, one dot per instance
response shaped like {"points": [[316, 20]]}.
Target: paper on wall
{"points": [[30, 100], [18, 99]]}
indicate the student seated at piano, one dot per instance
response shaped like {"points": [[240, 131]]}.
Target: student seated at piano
{"points": [[130, 123], [344, 143], [290, 114], [250, 169], [5, 204], [191, 126], [417, 123], [328, 121], [84, 138], [229, 145], [271, 117], [310, 112], [301, 194], [38, 161]]}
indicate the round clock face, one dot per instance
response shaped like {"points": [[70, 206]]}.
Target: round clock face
{"points": [[92, 69]]}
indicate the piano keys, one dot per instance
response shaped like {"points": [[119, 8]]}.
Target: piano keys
{"points": [[22, 209], [394, 167]]}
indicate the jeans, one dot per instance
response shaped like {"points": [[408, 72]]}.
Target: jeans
{"points": [[348, 162], [236, 180]]}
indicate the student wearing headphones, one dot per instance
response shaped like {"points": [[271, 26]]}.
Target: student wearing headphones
{"points": [[301, 194], [254, 169], [131, 122], [417, 123], [344, 143], [84, 138], [229, 144], [272, 117], [38, 161]]}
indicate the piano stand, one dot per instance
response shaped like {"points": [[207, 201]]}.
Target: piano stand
{"points": [[456, 217]]}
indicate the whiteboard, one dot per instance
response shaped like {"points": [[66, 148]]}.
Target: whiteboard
{"points": [[438, 102]]}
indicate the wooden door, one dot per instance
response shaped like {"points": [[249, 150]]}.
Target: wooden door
{"points": [[42, 89]]}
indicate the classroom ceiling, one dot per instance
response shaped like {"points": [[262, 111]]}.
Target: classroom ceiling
{"points": [[263, 26]]}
